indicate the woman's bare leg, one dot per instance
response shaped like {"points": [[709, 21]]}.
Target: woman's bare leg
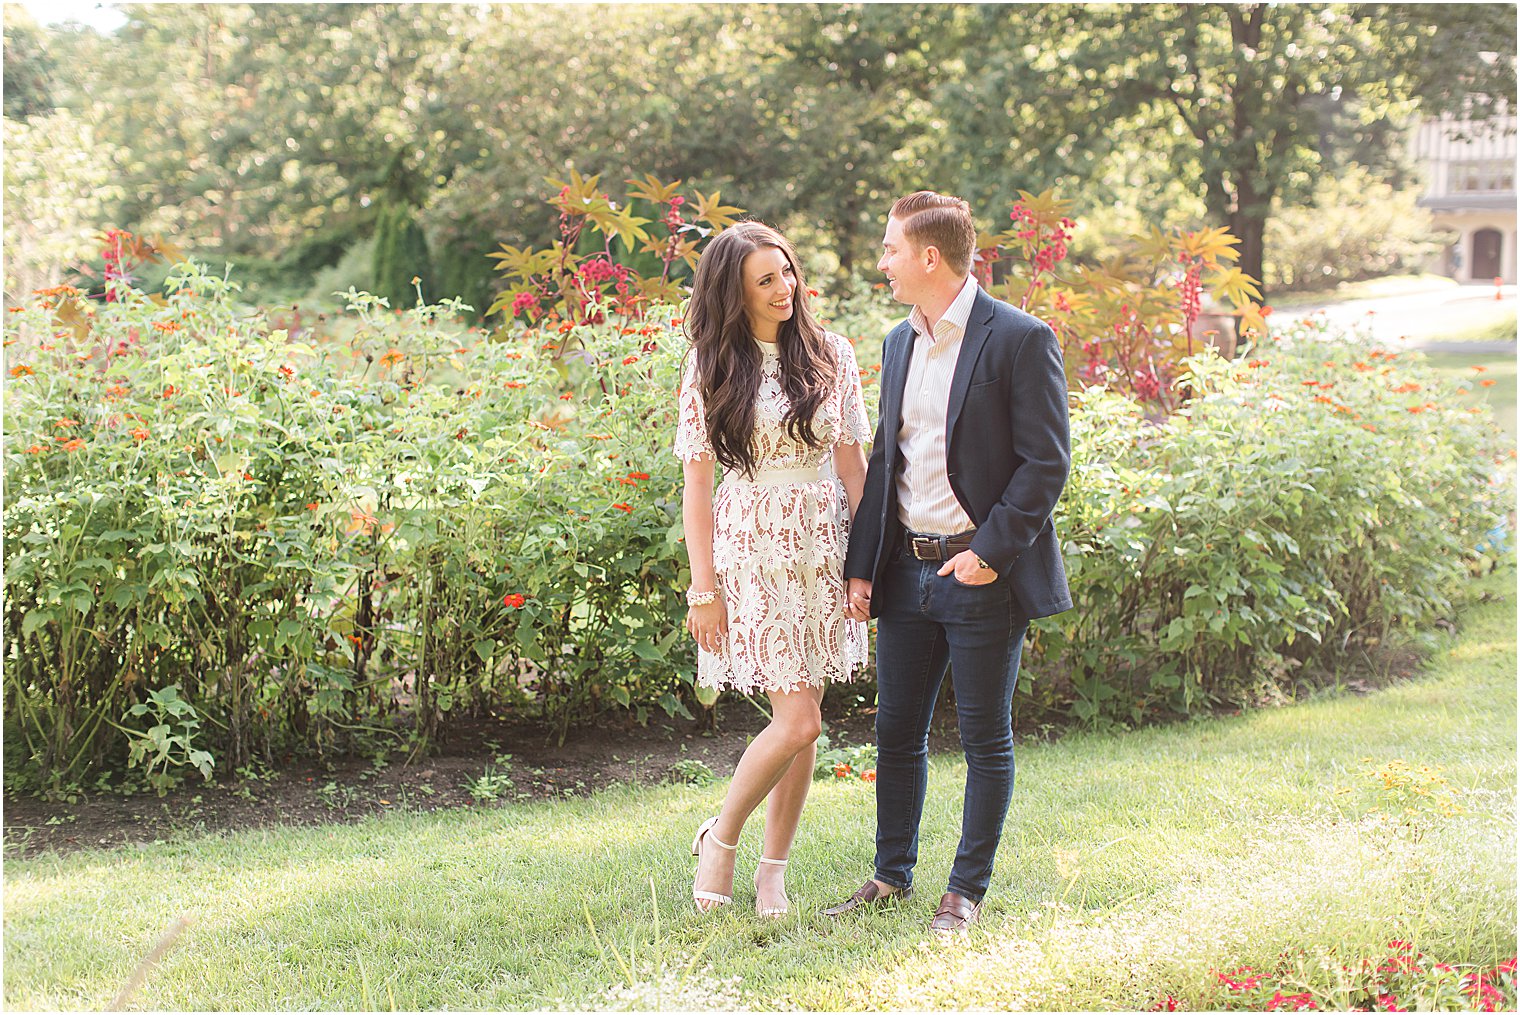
{"points": [[770, 757], [783, 812]]}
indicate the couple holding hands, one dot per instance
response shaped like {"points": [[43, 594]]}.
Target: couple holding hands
{"points": [[945, 536]]}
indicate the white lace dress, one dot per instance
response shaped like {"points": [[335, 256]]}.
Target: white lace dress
{"points": [[779, 539]]}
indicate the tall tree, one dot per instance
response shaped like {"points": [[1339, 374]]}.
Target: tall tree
{"points": [[1237, 94]]}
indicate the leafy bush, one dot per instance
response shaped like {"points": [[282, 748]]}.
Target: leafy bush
{"points": [[1357, 228], [1129, 323], [1308, 499], [371, 527], [322, 538]]}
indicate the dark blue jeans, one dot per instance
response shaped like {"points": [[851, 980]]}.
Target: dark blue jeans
{"points": [[926, 622]]}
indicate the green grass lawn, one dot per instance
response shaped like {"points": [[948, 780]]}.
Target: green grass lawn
{"points": [[1500, 396], [1132, 866]]}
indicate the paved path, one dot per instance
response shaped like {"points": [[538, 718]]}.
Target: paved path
{"points": [[1418, 320]]}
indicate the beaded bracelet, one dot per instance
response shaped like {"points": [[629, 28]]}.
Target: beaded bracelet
{"points": [[695, 598]]}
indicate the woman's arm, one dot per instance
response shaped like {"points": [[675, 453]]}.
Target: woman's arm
{"points": [[707, 624], [850, 463]]}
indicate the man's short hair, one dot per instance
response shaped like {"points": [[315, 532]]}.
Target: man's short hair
{"points": [[940, 221]]}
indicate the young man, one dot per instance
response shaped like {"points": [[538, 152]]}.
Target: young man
{"points": [[952, 547]]}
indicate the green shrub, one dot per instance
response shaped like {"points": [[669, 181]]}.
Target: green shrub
{"points": [[392, 522], [332, 538], [1357, 228], [1308, 499]]}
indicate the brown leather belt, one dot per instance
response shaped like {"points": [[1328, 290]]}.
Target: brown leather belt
{"points": [[926, 547]]}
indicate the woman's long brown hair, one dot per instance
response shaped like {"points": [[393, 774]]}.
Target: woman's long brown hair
{"points": [[729, 361]]}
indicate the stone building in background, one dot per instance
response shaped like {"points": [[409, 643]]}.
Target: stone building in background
{"points": [[1470, 189]]}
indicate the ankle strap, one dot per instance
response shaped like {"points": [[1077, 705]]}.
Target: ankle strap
{"points": [[778, 863], [719, 842]]}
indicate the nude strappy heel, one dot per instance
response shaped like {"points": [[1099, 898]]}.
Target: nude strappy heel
{"points": [[696, 850], [772, 911]]}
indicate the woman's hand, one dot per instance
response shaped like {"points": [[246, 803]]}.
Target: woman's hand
{"points": [[708, 625]]}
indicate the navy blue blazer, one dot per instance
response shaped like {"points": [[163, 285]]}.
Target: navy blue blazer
{"points": [[1008, 451]]}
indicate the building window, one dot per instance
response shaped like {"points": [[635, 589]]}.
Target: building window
{"points": [[1480, 175]]}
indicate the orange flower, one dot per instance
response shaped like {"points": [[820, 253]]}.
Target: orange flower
{"points": [[312, 506], [869, 775], [1480, 370], [21, 371], [624, 507], [567, 396], [35, 449], [391, 358], [1404, 389], [1487, 384], [166, 326], [73, 445], [361, 522], [139, 433], [638, 475], [841, 771], [514, 384]]}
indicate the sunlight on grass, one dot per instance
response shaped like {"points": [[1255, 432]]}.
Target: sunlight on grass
{"points": [[1132, 865]]}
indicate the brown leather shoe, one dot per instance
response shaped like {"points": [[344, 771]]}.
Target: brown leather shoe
{"points": [[955, 914], [868, 894]]}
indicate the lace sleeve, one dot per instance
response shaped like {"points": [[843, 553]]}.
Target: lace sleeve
{"points": [[692, 443], [854, 425]]}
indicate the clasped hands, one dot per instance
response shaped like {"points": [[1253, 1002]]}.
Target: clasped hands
{"points": [[965, 566]]}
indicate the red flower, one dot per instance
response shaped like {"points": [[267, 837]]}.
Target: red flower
{"points": [[638, 475], [869, 775], [624, 507], [312, 506], [841, 771], [516, 600], [629, 359]]}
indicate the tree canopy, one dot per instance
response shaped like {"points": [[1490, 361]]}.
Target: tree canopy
{"points": [[276, 132]]}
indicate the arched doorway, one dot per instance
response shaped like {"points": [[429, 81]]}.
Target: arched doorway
{"points": [[1487, 254]]}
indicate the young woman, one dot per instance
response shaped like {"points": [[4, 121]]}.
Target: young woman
{"points": [[776, 401]]}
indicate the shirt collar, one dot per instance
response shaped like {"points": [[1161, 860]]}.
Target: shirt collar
{"points": [[955, 317]]}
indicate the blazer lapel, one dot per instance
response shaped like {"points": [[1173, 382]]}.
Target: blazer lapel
{"points": [[894, 377], [978, 330]]}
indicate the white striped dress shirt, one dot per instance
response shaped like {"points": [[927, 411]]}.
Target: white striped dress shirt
{"points": [[925, 501]]}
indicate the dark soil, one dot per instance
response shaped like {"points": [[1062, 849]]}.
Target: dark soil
{"points": [[525, 761], [305, 792]]}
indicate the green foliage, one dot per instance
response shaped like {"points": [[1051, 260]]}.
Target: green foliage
{"points": [[844, 761], [333, 536], [375, 527], [400, 257], [579, 279], [1304, 502], [1130, 322], [692, 771], [168, 744], [1357, 228]]}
